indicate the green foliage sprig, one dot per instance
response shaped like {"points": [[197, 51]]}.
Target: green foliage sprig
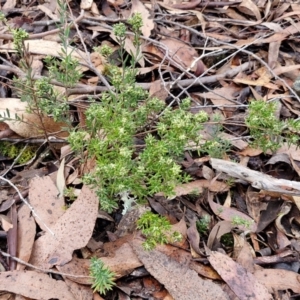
{"points": [[156, 229], [216, 146], [40, 94], [102, 277], [203, 224], [267, 131], [12, 151], [136, 151]]}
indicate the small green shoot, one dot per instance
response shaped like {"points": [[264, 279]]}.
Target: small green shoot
{"points": [[203, 224], [267, 131], [156, 229], [102, 277], [239, 221]]}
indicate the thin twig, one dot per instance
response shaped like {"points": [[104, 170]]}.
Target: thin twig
{"points": [[40, 269], [27, 203]]}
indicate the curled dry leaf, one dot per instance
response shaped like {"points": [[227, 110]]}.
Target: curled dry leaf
{"points": [[26, 234], [179, 54], [243, 283], [230, 214], [31, 126], [197, 186]]}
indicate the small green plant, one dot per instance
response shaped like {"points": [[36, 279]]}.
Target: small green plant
{"points": [[70, 193], [267, 131], [216, 146], [40, 95], [203, 224], [102, 277], [124, 116], [156, 229], [227, 240], [239, 221], [13, 151]]}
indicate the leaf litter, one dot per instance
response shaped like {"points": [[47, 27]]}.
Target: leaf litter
{"points": [[222, 55]]}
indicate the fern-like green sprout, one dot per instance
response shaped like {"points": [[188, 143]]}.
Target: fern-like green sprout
{"points": [[102, 277]]}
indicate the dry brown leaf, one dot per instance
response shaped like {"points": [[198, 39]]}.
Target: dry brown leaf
{"points": [[273, 53], [32, 126], [242, 283], [26, 235], [72, 231], [170, 273], [119, 256], [243, 252], [221, 96], [180, 53], [60, 179], [248, 151], [284, 69], [5, 222], [217, 231], [80, 292], [47, 205], [292, 151], [229, 214], [9, 4], [248, 7], [264, 77], [278, 279], [197, 187], [86, 4], [78, 267], [47, 11], [34, 285]]}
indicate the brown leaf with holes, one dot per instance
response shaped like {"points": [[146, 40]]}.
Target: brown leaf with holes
{"points": [[34, 285], [279, 279], [243, 283], [72, 231], [43, 196], [169, 272]]}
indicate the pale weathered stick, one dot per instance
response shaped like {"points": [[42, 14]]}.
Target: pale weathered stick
{"points": [[257, 179]]}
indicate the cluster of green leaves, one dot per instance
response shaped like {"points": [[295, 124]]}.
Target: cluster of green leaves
{"points": [[203, 224], [12, 151], [40, 94], [267, 131], [239, 221], [102, 277], [156, 229], [216, 146], [124, 116]]}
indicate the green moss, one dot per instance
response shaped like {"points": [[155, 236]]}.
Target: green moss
{"points": [[13, 150]]}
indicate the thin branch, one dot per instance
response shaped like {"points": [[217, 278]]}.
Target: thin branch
{"points": [[40, 269], [27, 203]]}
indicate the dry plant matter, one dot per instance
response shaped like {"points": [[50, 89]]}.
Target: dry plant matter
{"points": [[222, 174]]}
